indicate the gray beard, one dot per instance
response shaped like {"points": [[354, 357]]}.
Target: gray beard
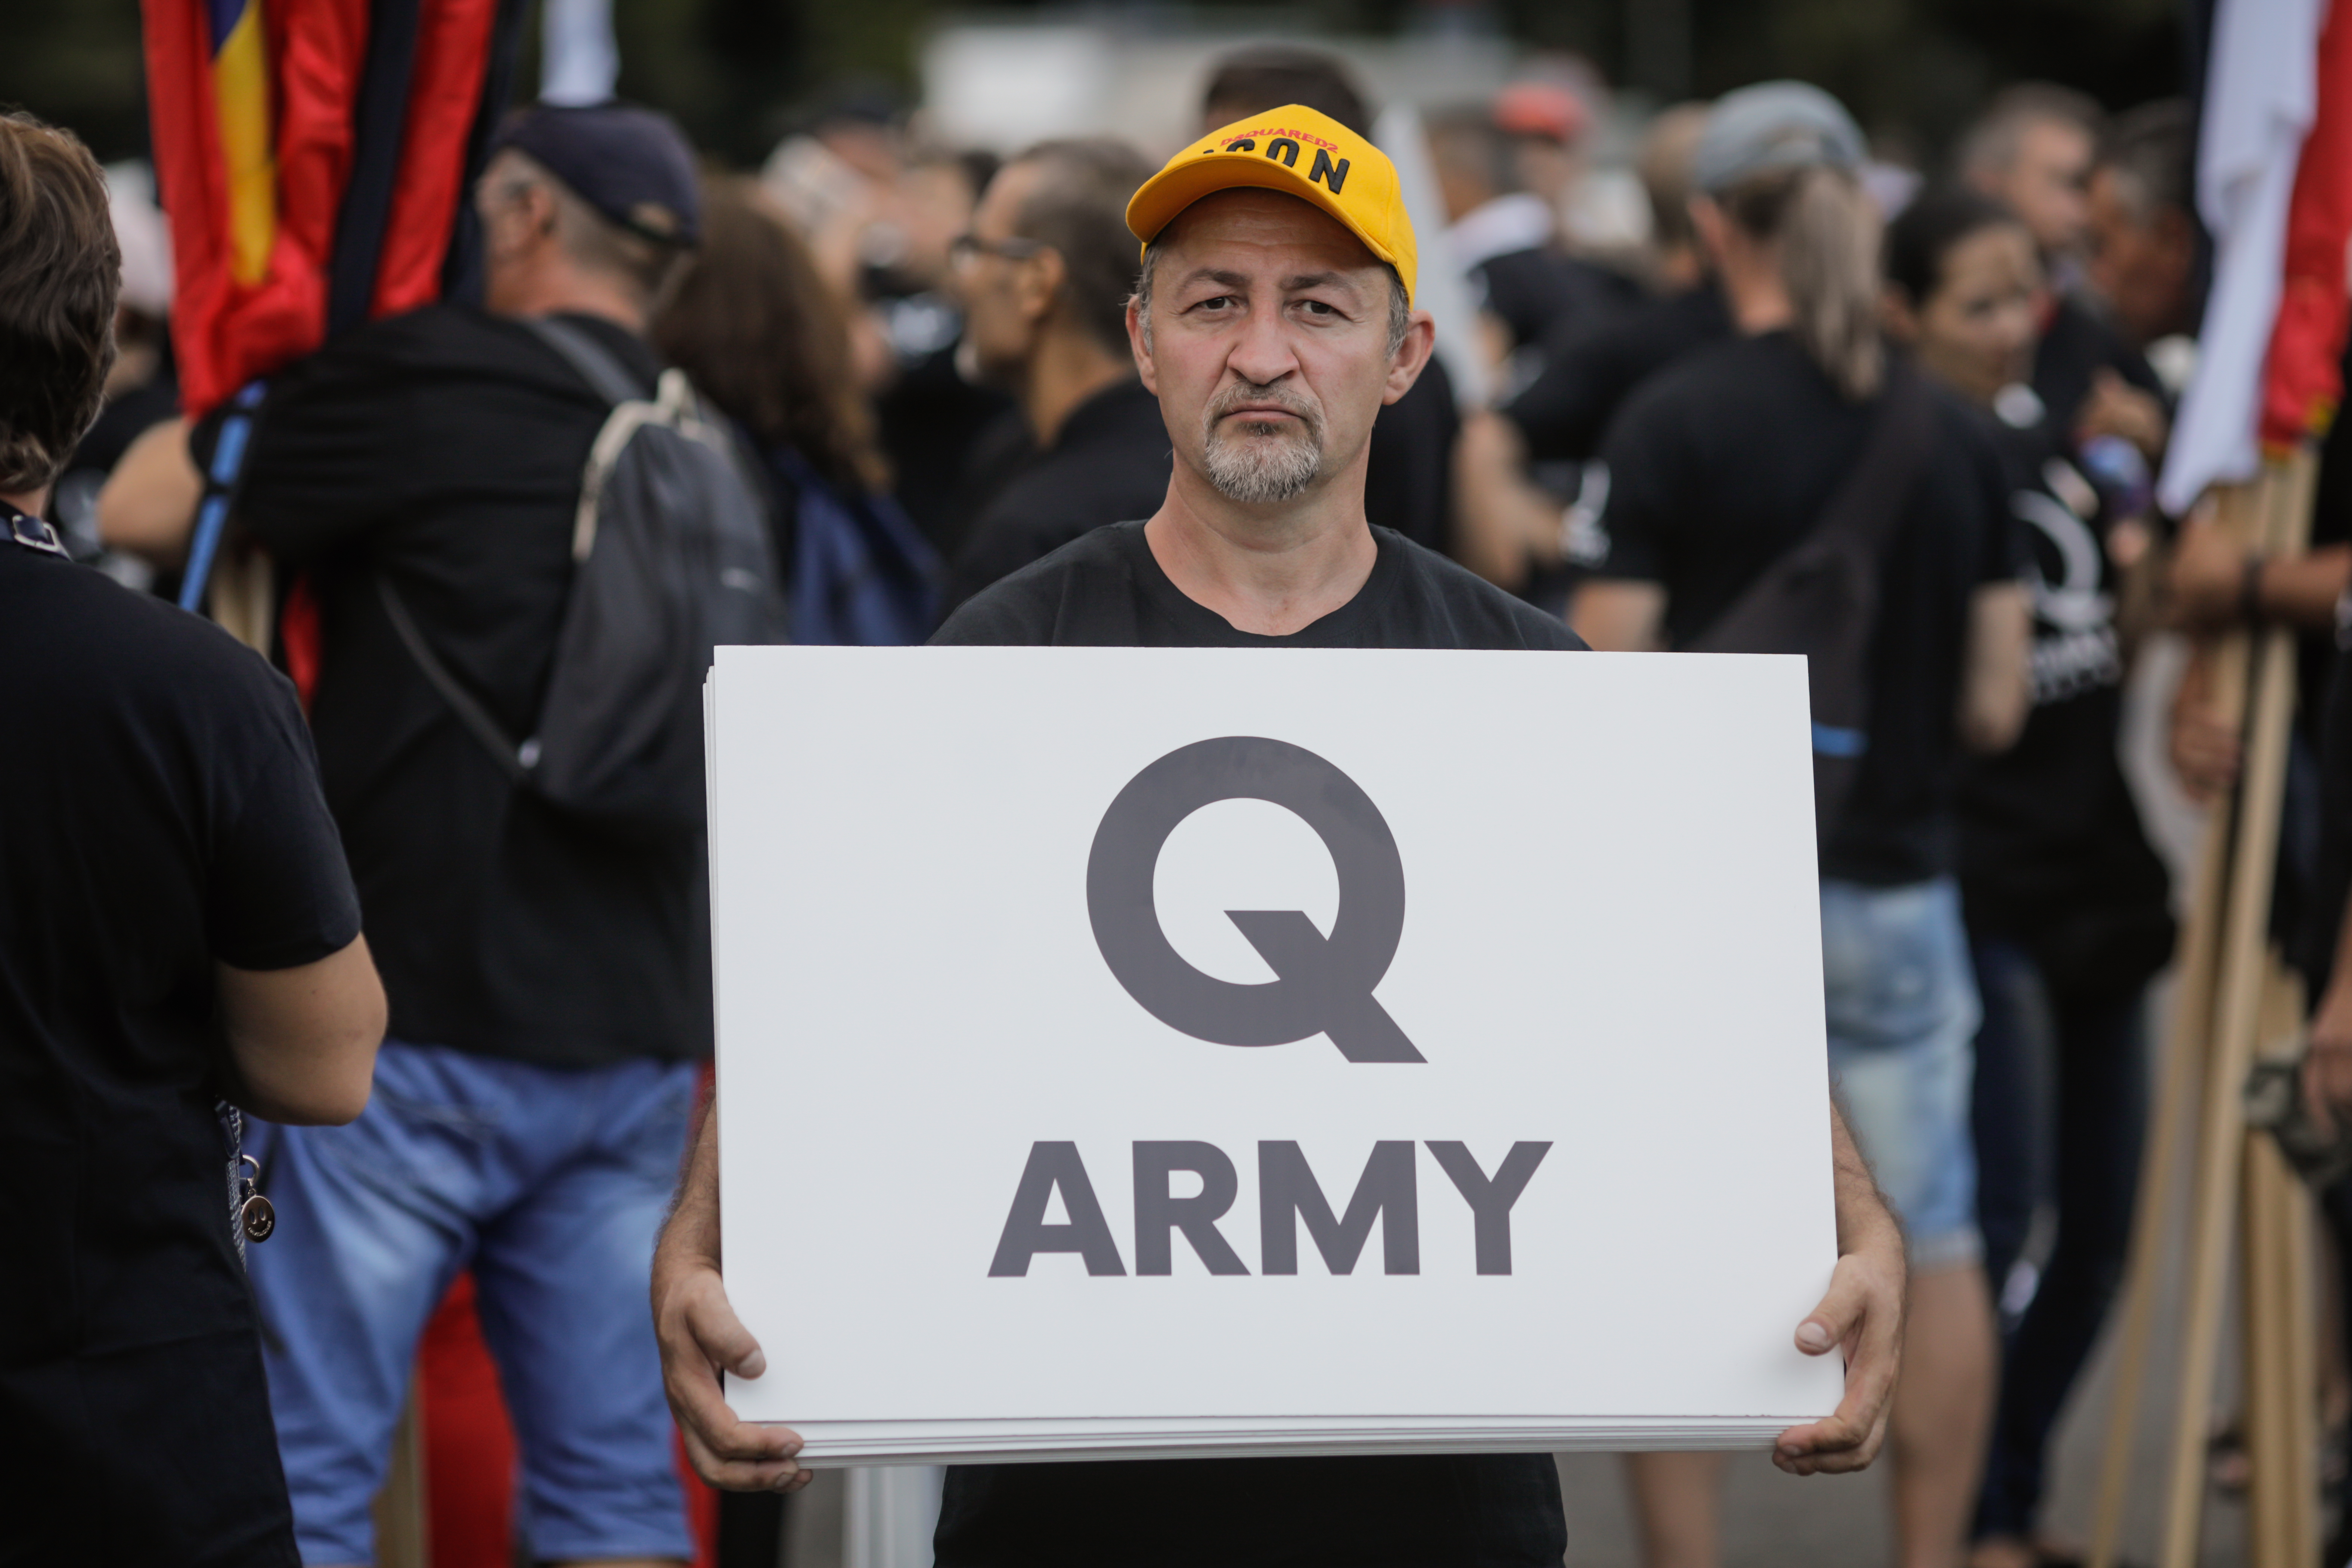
{"points": [[1256, 474]]}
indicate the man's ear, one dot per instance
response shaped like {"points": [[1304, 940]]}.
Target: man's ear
{"points": [[1894, 310], [1138, 342], [1037, 283], [2174, 227], [1412, 356]]}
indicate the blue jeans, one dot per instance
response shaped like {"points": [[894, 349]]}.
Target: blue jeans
{"points": [[1902, 1013], [551, 1186], [2060, 1106]]}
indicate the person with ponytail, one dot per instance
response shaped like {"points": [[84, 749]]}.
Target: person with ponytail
{"points": [[2067, 904], [1802, 434]]}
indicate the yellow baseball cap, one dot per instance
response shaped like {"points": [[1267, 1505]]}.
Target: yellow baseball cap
{"points": [[1301, 153]]}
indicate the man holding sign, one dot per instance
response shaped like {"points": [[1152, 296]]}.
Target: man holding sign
{"points": [[1273, 322]]}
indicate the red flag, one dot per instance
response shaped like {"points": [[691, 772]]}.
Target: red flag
{"points": [[2302, 375], [259, 119], [230, 319]]}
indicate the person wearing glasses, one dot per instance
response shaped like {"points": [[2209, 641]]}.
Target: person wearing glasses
{"points": [[1044, 278]]}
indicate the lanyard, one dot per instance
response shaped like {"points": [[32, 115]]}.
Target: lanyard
{"points": [[18, 527]]}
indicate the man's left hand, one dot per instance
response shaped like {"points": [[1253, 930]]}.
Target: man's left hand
{"points": [[1861, 1316]]}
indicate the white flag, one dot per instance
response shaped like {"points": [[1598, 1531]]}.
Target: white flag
{"points": [[2261, 88]]}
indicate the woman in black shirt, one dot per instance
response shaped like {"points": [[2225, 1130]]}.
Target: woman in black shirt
{"points": [[2066, 903], [1720, 466]]}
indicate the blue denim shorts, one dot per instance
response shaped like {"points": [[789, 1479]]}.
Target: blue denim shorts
{"points": [[550, 1185], [1902, 1011]]}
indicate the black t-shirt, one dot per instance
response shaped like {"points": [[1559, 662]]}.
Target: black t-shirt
{"points": [[1538, 293], [2073, 348], [941, 432], [2051, 850], [443, 449], [1107, 590], [1108, 461], [1409, 469], [1590, 367], [162, 813], [1723, 463]]}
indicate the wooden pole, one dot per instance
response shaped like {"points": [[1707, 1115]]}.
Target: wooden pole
{"points": [[2178, 1090], [402, 1539], [2237, 1013]]}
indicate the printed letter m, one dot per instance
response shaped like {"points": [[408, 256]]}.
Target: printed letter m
{"points": [[1288, 1192]]}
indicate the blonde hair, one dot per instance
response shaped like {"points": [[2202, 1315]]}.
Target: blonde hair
{"points": [[1825, 230]]}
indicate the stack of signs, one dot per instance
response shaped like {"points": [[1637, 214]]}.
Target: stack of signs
{"points": [[1193, 1052]]}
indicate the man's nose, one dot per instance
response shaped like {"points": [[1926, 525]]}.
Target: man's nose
{"points": [[1263, 356]]}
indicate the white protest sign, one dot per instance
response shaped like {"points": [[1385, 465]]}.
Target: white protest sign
{"points": [[1284, 1038]]}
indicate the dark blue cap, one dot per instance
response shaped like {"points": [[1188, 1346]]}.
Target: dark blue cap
{"points": [[632, 164]]}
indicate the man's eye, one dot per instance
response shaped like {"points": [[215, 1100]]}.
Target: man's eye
{"points": [[1215, 302], [1317, 308]]}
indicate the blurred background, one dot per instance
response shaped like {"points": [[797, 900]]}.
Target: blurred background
{"points": [[741, 74]]}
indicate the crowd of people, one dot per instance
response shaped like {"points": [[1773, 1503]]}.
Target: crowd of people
{"points": [[1909, 424]]}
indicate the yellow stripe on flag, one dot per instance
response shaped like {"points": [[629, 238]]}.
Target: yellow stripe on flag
{"points": [[241, 91]]}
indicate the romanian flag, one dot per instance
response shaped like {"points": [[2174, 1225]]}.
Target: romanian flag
{"points": [[314, 157]]}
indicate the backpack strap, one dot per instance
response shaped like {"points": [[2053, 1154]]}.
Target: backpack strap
{"points": [[1902, 433], [593, 361], [516, 759]]}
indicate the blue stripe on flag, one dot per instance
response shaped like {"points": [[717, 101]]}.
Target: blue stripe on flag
{"points": [[223, 14]]}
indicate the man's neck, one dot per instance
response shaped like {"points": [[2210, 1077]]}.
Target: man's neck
{"points": [[1069, 368], [1269, 570], [28, 501], [570, 291]]}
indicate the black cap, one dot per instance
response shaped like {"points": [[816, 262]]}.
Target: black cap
{"points": [[632, 164]]}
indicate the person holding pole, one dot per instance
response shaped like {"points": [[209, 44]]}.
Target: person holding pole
{"points": [[1273, 320]]}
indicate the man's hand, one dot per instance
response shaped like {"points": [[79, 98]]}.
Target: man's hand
{"points": [[2328, 1064], [2206, 581], [2203, 746], [1861, 1315], [2117, 407], [700, 1337]]}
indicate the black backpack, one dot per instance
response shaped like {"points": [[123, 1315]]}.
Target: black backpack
{"points": [[1821, 598], [671, 557]]}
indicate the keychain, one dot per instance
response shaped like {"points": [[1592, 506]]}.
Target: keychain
{"points": [[255, 1218]]}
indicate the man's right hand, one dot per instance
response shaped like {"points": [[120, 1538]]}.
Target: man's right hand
{"points": [[700, 1337], [2203, 747]]}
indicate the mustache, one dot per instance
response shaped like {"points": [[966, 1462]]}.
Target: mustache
{"points": [[1243, 394]]}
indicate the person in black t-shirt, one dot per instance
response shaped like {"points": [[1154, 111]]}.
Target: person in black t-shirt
{"points": [[2066, 901], [2033, 151], [1044, 277], [1272, 322], [1531, 485], [177, 929], [549, 982], [1719, 467], [1507, 238]]}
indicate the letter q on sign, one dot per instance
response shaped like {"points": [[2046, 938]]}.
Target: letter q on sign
{"points": [[1323, 986]]}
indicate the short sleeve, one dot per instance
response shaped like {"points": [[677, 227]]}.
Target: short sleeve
{"points": [[1621, 533], [2004, 545], [278, 891]]}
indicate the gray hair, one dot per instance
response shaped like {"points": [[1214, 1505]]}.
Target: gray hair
{"points": [[2151, 152], [650, 269], [1399, 306], [1990, 146]]}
